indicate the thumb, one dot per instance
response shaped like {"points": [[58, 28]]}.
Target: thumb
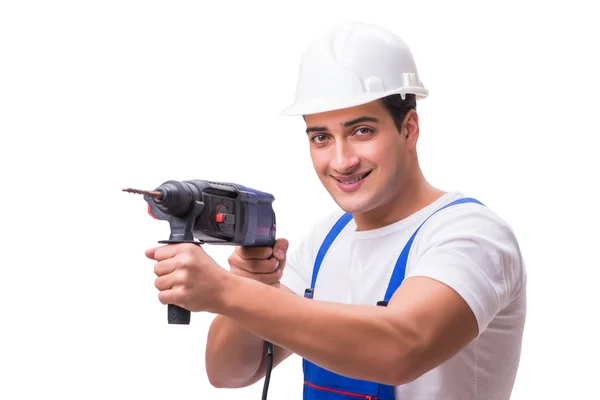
{"points": [[280, 249]]}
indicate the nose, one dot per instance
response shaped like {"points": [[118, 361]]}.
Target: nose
{"points": [[344, 159]]}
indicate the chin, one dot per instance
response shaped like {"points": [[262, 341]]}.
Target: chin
{"points": [[353, 204]]}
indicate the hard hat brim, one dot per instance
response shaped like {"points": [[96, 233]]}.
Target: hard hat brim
{"points": [[319, 105]]}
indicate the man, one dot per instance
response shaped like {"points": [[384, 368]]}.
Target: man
{"points": [[408, 292]]}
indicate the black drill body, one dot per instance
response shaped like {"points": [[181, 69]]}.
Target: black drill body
{"points": [[200, 211], [215, 212]]}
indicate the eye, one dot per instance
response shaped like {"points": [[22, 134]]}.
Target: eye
{"points": [[318, 139], [363, 131]]}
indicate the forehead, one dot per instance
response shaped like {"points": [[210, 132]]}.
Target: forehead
{"points": [[337, 118]]}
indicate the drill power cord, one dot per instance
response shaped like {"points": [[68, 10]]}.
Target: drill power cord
{"points": [[270, 352]]}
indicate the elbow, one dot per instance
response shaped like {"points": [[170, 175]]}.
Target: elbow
{"points": [[216, 381], [226, 377], [222, 382], [223, 375], [220, 379], [405, 367], [401, 375]]}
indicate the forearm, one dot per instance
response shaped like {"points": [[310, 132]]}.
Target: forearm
{"points": [[355, 341], [235, 357], [233, 354]]}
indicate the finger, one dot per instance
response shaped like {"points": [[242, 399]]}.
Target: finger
{"points": [[269, 279], [150, 252], [166, 267], [280, 249], [168, 281], [171, 250], [164, 282], [171, 296], [253, 266], [254, 253], [168, 251]]}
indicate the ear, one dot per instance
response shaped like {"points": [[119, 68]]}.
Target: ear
{"points": [[410, 129]]}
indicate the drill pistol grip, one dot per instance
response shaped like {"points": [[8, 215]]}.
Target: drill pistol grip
{"points": [[220, 213]]}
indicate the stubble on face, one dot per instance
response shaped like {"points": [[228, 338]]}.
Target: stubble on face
{"points": [[359, 156]]}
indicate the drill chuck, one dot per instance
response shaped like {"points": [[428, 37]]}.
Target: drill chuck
{"points": [[176, 198]]}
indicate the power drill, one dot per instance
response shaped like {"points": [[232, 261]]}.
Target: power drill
{"points": [[201, 211]]}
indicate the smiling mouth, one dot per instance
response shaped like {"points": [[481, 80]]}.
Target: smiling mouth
{"points": [[350, 180]]}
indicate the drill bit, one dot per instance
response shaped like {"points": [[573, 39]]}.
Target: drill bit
{"points": [[155, 194]]}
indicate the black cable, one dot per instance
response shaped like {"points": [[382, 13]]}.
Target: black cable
{"points": [[269, 367]]}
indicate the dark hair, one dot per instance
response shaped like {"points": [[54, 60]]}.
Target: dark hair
{"points": [[398, 108]]}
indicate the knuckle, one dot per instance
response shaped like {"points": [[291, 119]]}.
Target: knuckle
{"points": [[192, 250], [281, 266], [280, 254], [233, 260], [173, 264], [258, 267], [182, 295], [241, 252], [270, 266], [267, 252], [182, 261], [183, 276]]}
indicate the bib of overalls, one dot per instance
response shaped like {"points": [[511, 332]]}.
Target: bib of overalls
{"points": [[322, 384]]}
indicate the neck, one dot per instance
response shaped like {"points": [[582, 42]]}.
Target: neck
{"points": [[413, 196]]}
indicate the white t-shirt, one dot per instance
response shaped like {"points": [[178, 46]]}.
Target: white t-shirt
{"points": [[466, 246]]}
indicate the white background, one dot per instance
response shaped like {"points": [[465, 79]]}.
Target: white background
{"points": [[96, 96]]}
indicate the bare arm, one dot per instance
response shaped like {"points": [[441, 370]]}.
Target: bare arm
{"points": [[425, 323], [236, 357]]}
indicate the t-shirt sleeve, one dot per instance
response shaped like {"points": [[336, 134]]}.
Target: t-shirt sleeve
{"points": [[473, 251], [300, 261]]}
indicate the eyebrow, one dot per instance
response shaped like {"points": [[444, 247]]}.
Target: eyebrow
{"points": [[346, 124]]}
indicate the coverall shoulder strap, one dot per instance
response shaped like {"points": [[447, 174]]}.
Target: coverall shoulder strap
{"points": [[400, 267], [333, 233]]}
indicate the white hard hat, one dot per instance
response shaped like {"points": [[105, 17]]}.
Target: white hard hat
{"points": [[353, 64]]}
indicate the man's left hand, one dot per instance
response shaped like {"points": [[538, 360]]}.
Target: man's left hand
{"points": [[188, 277]]}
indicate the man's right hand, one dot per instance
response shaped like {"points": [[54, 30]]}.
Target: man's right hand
{"points": [[256, 262]]}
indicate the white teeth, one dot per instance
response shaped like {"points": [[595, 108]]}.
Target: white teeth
{"points": [[353, 180]]}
